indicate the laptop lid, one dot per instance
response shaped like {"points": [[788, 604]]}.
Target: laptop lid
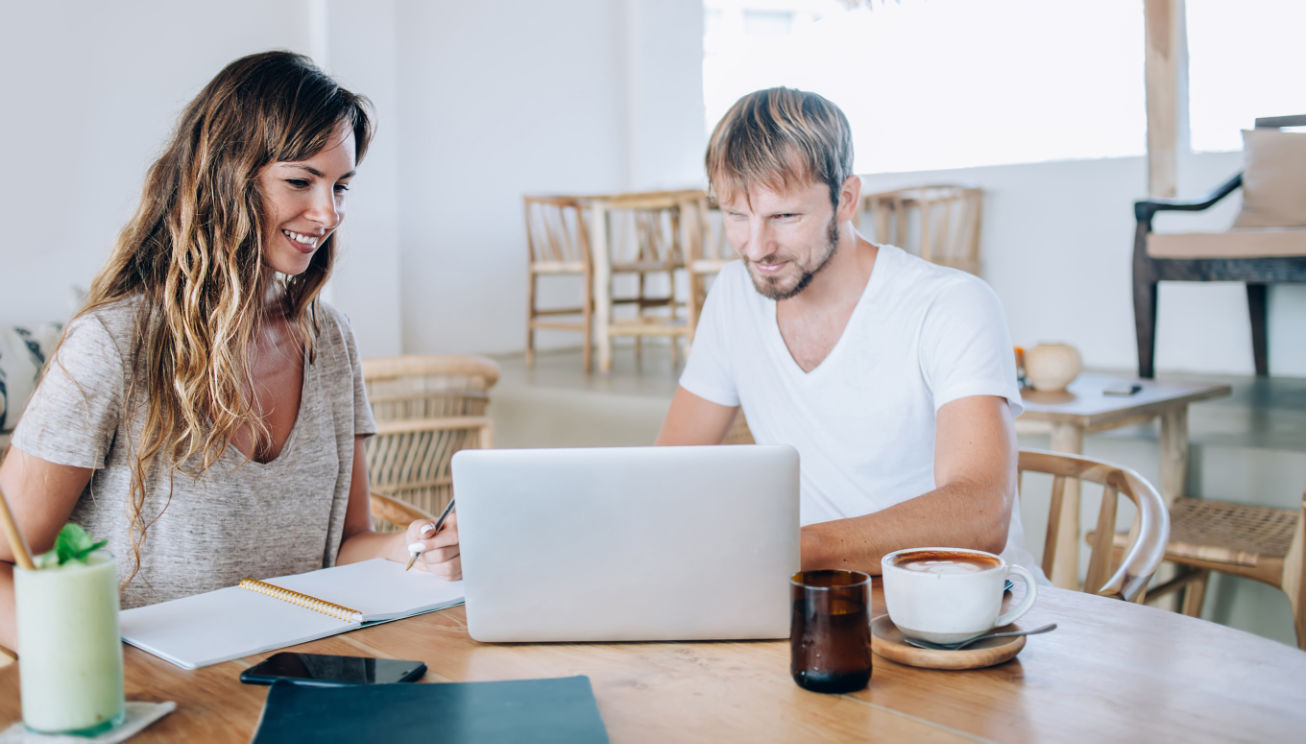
{"points": [[628, 543]]}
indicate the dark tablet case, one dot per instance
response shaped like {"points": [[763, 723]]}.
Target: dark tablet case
{"points": [[560, 709]]}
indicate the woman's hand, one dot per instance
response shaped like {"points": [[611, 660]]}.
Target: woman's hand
{"points": [[439, 550]]}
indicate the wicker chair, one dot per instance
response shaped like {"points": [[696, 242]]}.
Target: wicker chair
{"points": [[392, 515], [1256, 542], [707, 252], [557, 244], [1150, 529], [643, 237], [427, 408], [939, 223], [650, 235]]}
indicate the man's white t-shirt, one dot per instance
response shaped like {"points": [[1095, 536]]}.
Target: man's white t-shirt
{"points": [[863, 420]]}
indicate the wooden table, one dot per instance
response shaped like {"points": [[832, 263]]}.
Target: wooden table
{"points": [[1083, 409], [1112, 671]]}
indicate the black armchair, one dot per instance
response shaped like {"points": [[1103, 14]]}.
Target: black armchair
{"points": [[1266, 245]]}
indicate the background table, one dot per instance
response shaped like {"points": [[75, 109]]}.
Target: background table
{"points": [[1112, 671], [1083, 408], [685, 211]]}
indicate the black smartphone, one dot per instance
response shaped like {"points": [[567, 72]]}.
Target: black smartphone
{"points": [[1122, 388], [331, 671]]}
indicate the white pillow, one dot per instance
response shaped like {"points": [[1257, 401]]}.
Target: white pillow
{"points": [[1274, 179], [23, 352]]}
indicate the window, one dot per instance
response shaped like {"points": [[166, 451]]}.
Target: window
{"points": [[930, 84], [1244, 61]]}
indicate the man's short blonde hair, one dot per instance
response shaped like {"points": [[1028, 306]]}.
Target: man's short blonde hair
{"points": [[777, 138]]}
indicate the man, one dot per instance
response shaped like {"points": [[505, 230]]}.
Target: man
{"points": [[893, 377]]}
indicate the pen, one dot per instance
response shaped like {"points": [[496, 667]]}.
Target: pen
{"points": [[438, 523]]}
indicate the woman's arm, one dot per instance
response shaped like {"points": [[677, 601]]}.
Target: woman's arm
{"points": [[360, 542], [41, 496]]}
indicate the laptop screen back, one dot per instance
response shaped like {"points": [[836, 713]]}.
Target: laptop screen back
{"points": [[628, 543]]}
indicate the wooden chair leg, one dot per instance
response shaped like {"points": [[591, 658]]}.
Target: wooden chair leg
{"points": [[530, 319], [1145, 325], [673, 312], [1195, 593], [1299, 617], [1258, 309], [587, 317]]}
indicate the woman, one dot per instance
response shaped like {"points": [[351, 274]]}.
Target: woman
{"points": [[205, 412]]}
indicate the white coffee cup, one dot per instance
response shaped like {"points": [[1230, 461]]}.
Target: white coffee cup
{"points": [[947, 595]]}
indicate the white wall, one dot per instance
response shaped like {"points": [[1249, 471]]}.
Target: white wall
{"points": [[92, 91], [361, 55], [664, 94], [505, 98], [500, 98], [480, 102]]}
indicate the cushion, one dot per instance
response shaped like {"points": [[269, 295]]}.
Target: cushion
{"points": [[23, 352], [1274, 179], [1236, 243]]}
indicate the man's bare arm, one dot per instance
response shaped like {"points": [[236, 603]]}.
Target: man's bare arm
{"points": [[695, 420], [975, 473]]}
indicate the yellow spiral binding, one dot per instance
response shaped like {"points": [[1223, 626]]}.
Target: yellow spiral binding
{"points": [[339, 612]]}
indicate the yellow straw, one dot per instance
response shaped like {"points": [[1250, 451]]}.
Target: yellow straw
{"points": [[21, 553]]}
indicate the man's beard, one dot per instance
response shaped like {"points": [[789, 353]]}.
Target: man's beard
{"points": [[766, 285]]}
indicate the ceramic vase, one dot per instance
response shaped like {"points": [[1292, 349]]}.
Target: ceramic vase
{"points": [[1052, 366]]}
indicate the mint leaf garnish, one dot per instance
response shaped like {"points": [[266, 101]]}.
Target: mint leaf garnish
{"points": [[75, 544]]}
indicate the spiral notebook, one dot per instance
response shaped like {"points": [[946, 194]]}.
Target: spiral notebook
{"points": [[262, 615]]}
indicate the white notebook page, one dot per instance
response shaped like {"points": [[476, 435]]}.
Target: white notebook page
{"points": [[230, 623]]}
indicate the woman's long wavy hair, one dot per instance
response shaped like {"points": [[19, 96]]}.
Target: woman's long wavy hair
{"points": [[194, 253]]}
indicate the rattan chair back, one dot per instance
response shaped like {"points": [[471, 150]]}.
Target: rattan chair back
{"points": [[426, 408]]}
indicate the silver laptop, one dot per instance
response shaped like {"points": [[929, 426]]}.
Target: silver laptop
{"points": [[628, 543]]}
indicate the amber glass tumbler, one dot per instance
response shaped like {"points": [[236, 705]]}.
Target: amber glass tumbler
{"points": [[830, 630]]}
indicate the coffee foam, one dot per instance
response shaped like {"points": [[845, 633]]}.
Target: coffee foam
{"points": [[946, 562], [943, 566]]}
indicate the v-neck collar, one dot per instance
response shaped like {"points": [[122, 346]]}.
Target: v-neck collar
{"points": [[294, 428], [867, 296]]}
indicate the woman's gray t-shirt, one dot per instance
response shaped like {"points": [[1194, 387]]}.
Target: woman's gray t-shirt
{"points": [[241, 518]]}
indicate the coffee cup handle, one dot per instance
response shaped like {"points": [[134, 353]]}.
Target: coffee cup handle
{"points": [[1031, 592]]}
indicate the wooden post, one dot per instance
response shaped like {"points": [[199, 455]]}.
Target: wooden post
{"points": [[1162, 68]]}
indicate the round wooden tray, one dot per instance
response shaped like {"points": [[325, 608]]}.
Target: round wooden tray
{"points": [[888, 641]]}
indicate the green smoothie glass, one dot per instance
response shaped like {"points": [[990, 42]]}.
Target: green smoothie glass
{"points": [[69, 651]]}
